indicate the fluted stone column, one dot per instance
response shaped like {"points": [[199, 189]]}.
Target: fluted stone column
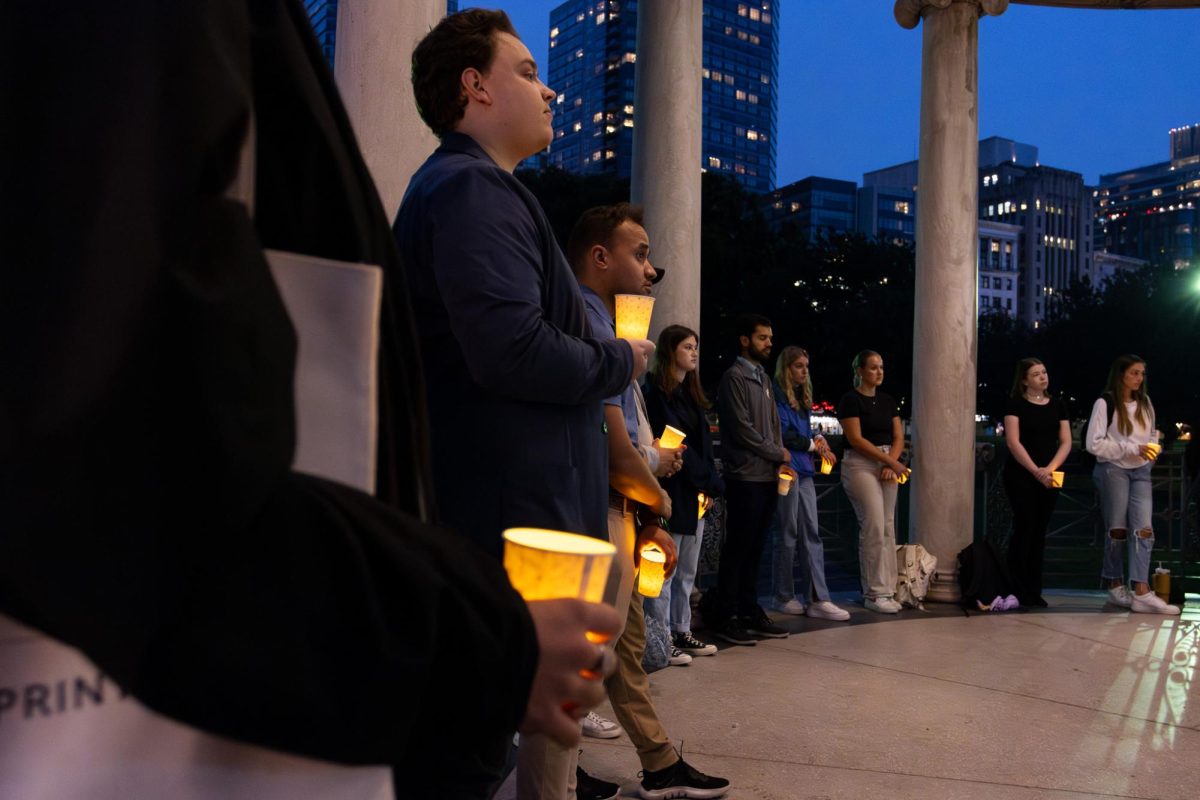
{"points": [[373, 68], [666, 151], [944, 331]]}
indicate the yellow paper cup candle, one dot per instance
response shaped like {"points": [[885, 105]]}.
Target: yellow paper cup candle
{"points": [[652, 572], [785, 483], [552, 565], [826, 466], [702, 500], [671, 438], [633, 315], [902, 478], [1056, 479]]}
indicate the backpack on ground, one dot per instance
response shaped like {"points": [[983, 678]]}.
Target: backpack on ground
{"points": [[1086, 458], [915, 567]]}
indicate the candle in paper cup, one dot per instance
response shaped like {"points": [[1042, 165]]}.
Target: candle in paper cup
{"points": [[902, 478], [785, 483], [652, 572], [553, 565], [1056, 479], [701, 499], [826, 466], [671, 438], [633, 315]]}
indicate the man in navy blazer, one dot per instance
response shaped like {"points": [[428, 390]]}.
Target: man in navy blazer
{"points": [[514, 377]]}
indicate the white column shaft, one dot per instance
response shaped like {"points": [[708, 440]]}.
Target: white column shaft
{"points": [[944, 335], [373, 68], [666, 151]]}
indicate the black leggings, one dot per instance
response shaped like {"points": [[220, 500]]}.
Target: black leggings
{"points": [[1032, 504]]}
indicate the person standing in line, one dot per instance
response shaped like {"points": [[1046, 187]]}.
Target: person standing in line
{"points": [[1121, 435], [753, 453], [609, 250], [797, 517], [870, 469], [1038, 435], [674, 397]]}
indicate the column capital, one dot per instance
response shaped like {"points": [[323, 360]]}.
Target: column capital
{"points": [[909, 12]]}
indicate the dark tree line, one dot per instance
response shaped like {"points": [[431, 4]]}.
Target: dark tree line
{"points": [[843, 293]]}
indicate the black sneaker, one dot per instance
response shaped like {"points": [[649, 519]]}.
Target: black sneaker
{"points": [[589, 788], [760, 625], [692, 646], [680, 780], [732, 631]]}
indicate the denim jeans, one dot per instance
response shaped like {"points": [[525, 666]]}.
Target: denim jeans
{"points": [[674, 605], [796, 521], [1125, 504], [874, 504]]}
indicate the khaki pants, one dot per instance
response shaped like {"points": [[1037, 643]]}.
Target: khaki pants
{"points": [[874, 504]]}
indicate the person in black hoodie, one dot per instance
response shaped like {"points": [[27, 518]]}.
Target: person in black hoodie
{"points": [[674, 397]]}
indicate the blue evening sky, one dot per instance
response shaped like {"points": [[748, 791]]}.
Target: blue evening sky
{"points": [[1095, 91]]}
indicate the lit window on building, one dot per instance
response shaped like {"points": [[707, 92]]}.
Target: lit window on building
{"points": [[713, 161], [577, 127], [740, 95], [628, 109], [755, 14], [599, 19], [752, 135], [753, 98], [628, 123], [609, 154], [597, 116], [729, 80], [553, 32], [742, 10]]}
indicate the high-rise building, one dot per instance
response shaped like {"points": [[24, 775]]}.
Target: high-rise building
{"points": [[592, 63], [999, 276], [1153, 213], [814, 205], [888, 213]]}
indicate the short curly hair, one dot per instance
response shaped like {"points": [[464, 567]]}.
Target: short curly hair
{"points": [[459, 42]]}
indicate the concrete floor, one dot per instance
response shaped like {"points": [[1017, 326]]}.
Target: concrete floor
{"points": [[1075, 701]]}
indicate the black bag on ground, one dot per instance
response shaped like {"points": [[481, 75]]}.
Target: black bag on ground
{"points": [[982, 575]]}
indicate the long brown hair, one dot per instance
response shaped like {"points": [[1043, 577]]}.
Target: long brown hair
{"points": [[661, 371], [1115, 387], [786, 359], [1023, 366]]}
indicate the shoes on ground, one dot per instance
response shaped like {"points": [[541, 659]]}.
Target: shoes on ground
{"points": [[793, 607], [678, 658], [691, 645], [1150, 603], [1120, 596], [598, 727], [588, 787], [1011, 602], [884, 605], [680, 780], [824, 609], [759, 624], [732, 631]]}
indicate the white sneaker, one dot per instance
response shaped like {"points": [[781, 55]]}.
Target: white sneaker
{"points": [[598, 727], [1120, 596], [678, 658], [884, 605], [793, 607], [823, 609], [1150, 603]]}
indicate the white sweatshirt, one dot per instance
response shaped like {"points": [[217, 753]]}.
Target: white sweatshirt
{"points": [[1112, 446]]}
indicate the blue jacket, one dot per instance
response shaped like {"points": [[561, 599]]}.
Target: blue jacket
{"points": [[797, 433], [513, 375]]}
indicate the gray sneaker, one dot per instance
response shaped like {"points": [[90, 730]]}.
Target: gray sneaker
{"points": [[1120, 596]]}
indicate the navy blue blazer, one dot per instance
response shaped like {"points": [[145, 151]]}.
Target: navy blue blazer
{"points": [[514, 378]]}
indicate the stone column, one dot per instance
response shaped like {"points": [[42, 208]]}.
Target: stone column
{"points": [[666, 152], [944, 330], [373, 66]]}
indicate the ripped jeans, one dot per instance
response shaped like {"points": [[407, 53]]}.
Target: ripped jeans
{"points": [[1125, 504]]}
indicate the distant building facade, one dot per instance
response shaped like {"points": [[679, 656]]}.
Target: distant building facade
{"points": [[998, 267], [814, 206], [592, 65], [1153, 212], [888, 214], [1106, 266]]}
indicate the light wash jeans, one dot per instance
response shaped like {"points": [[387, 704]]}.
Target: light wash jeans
{"points": [[796, 521], [1125, 504], [676, 595], [874, 504]]}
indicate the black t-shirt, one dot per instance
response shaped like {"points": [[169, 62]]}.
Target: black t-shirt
{"points": [[874, 413], [1038, 426]]}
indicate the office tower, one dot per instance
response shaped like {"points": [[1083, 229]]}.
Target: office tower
{"points": [[592, 64], [1152, 213], [813, 205]]}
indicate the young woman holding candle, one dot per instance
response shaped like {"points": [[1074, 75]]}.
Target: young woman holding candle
{"points": [[1038, 435], [1121, 435], [870, 473], [796, 514], [674, 397]]}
